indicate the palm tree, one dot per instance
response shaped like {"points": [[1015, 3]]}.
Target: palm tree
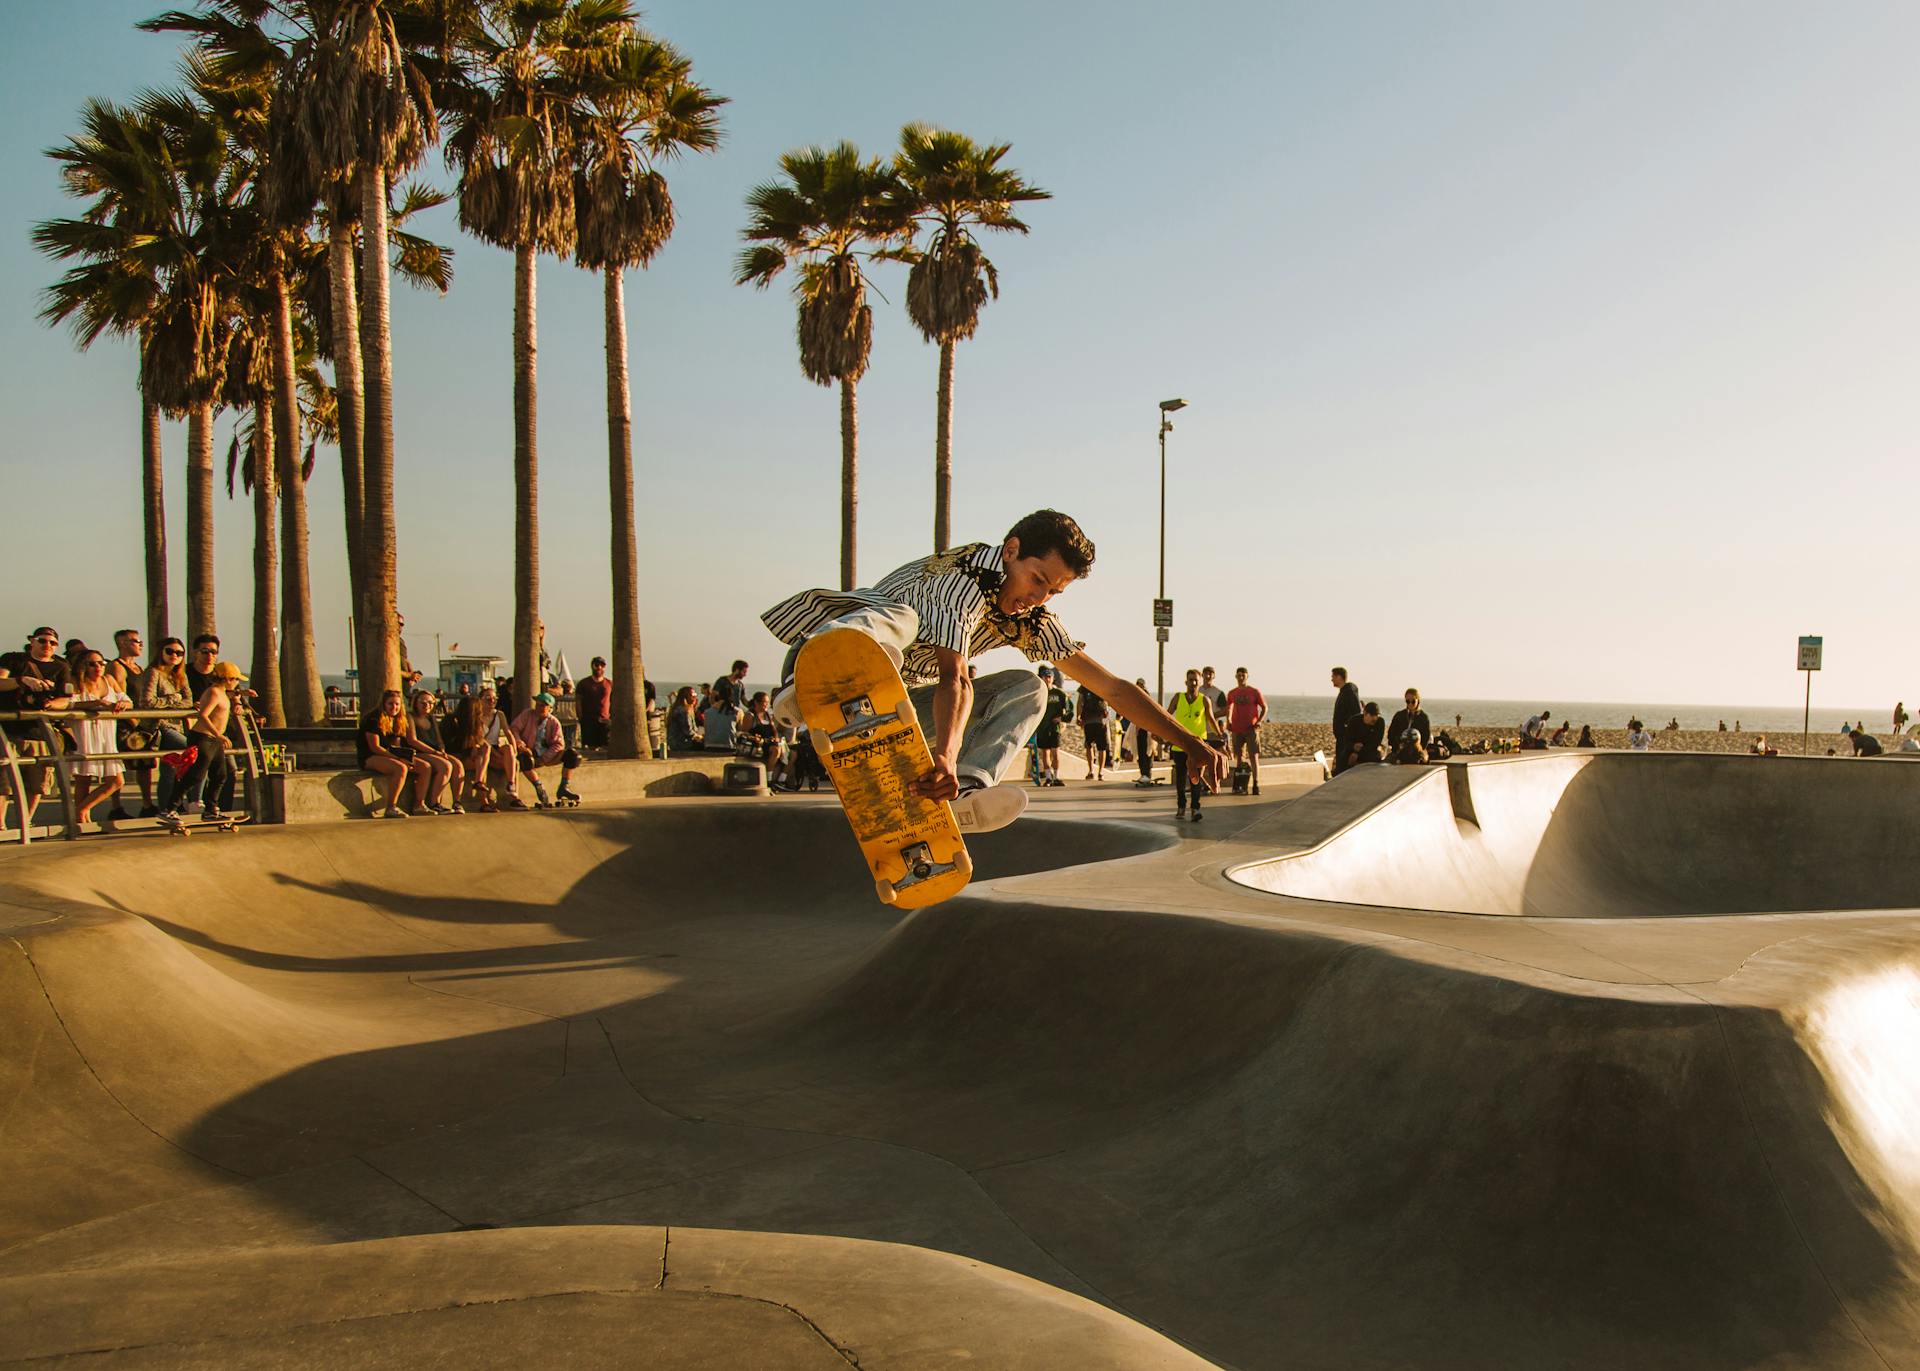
{"points": [[120, 163], [644, 111], [833, 210], [359, 110], [516, 117], [249, 389], [953, 186], [164, 211]]}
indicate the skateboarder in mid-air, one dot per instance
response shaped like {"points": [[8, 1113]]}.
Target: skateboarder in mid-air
{"points": [[936, 613]]}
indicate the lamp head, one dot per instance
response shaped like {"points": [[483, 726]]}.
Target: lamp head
{"points": [[1169, 406]]}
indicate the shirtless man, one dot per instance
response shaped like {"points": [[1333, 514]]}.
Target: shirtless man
{"points": [[934, 614], [207, 730]]}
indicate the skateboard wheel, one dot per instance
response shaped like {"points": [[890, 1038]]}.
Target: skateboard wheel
{"points": [[904, 711], [884, 889], [822, 742]]}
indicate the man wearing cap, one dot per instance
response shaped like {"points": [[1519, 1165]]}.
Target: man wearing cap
{"points": [[593, 699], [207, 731], [539, 742], [933, 615]]}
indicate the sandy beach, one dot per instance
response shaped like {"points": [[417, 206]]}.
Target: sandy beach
{"points": [[1303, 740]]}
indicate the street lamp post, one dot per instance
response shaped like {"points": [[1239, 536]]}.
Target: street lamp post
{"points": [[1167, 407]]}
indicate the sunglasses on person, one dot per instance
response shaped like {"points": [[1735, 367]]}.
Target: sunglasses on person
{"points": [[171, 652], [50, 642], [207, 651]]}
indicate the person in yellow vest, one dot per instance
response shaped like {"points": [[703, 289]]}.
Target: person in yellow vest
{"points": [[1193, 711]]}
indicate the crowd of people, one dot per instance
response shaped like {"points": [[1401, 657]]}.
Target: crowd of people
{"points": [[179, 762]]}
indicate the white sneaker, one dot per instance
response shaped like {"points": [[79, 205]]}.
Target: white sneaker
{"points": [[785, 707], [988, 808]]}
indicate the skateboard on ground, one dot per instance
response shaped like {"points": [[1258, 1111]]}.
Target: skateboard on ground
{"points": [[180, 828], [863, 730]]}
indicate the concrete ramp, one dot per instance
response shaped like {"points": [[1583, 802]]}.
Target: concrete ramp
{"points": [[666, 1086], [1581, 835]]}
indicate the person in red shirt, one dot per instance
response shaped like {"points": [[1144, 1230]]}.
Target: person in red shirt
{"points": [[1246, 707], [594, 701]]}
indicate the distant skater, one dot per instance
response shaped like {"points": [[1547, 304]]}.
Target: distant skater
{"points": [[1246, 711], [1899, 716]]}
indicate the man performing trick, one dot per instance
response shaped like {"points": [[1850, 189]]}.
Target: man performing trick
{"points": [[934, 614]]}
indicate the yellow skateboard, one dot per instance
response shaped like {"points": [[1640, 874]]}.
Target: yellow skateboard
{"points": [[863, 729]]}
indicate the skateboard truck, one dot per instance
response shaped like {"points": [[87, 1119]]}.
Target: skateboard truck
{"points": [[920, 867], [860, 720]]}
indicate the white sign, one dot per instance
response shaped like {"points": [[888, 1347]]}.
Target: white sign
{"points": [[1810, 654], [1160, 635]]}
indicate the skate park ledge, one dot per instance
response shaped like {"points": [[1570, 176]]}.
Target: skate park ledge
{"points": [[302, 797]]}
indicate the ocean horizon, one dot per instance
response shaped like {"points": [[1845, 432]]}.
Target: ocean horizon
{"points": [[1313, 709]]}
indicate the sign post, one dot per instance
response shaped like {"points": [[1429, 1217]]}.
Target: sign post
{"points": [[1809, 662]]}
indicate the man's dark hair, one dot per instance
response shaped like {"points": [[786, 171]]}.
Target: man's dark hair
{"points": [[45, 629], [1341, 672], [1371, 709], [738, 665], [597, 661], [202, 639], [1048, 530], [120, 633]]}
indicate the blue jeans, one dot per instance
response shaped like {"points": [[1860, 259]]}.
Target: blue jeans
{"points": [[1007, 705]]}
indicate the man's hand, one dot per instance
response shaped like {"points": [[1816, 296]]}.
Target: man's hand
{"points": [[1206, 763], [938, 784]]}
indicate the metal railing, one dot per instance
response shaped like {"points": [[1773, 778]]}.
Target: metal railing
{"points": [[65, 757]]}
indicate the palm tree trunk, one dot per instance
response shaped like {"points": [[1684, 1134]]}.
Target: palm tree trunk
{"points": [[266, 556], [299, 667], [346, 385], [943, 454], [153, 508], [380, 667], [628, 737], [200, 616], [849, 482], [526, 486]]}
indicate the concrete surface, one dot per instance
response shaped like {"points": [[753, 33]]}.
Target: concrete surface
{"points": [[665, 1084]]}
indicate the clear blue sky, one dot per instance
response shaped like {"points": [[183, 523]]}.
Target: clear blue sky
{"points": [[1533, 350]]}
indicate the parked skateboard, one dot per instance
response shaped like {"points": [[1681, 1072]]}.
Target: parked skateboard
{"points": [[180, 828], [863, 730]]}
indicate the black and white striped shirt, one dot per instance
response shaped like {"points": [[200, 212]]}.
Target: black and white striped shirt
{"points": [[956, 595]]}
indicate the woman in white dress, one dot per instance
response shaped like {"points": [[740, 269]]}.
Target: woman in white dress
{"points": [[96, 696]]}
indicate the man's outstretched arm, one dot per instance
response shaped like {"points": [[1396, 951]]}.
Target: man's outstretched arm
{"points": [[952, 707], [1204, 761]]}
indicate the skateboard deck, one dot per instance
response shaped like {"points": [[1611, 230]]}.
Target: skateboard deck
{"points": [[865, 734], [182, 828]]}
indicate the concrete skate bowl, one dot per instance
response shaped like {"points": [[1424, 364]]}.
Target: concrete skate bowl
{"points": [[242, 1078], [1621, 835], [679, 1053]]}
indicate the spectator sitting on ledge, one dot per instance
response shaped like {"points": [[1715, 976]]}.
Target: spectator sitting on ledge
{"points": [[386, 747], [683, 723], [540, 743], [448, 768], [722, 719]]}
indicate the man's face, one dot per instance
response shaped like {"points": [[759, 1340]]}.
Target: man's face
{"points": [[599, 670], [1207, 675], [1413, 701], [1338, 679], [204, 655], [1193, 681], [128, 644], [1030, 581], [1240, 676], [740, 672], [42, 646]]}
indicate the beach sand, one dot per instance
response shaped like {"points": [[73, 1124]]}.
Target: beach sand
{"points": [[1303, 740]]}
